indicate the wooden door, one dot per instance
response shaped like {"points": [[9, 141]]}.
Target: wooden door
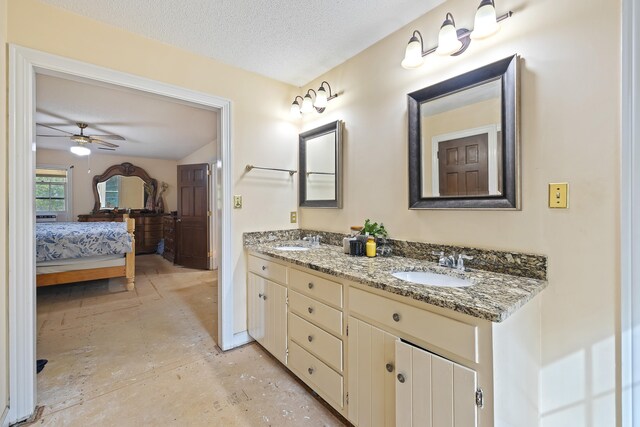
{"points": [[463, 166], [256, 307], [371, 375], [275, 299], [432, 391], [192, 249]]}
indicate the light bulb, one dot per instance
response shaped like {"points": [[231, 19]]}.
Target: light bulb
{"points": [[295, 109], [485, 23], [448, 42], [307, 104], [413, 54], [80, 150], [321, 98]]}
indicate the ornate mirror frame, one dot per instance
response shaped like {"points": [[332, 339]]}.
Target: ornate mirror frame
{"points": [[124, 169], [507, 71]]}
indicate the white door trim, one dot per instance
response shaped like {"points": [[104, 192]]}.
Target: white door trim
{"points": [[23, 65], [630, 216]]}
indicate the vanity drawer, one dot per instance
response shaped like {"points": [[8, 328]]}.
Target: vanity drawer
{"points": [[316, 341], [327, 382], [316, 312], [316, 287], [268, 269], [443, 332]]}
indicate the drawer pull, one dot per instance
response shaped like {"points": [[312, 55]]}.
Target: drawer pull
{"points": [[401, 378], [310, 370], [264, 267], [310, 310], [310, 338], [310, 285], [389, 367], [396, 317]]}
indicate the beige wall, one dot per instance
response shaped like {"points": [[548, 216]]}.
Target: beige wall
{"points": [[4, 307], [569, 132], [206, 154], [261, 132], [83, 199]]}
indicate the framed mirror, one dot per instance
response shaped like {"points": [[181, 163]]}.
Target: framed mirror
{"points": [[320, 179], [463, 141], [124, 186]]}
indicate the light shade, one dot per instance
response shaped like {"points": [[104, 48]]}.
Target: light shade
{"points": [[321, 98], [307, 104], [80, 150], [413, 54], [448, 42], [485, 24], [295, 109]]}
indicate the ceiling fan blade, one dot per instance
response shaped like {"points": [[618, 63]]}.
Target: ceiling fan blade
{"points": [[116, 137], [105, 143], [54, 136], [105, 148], [56, 129]]}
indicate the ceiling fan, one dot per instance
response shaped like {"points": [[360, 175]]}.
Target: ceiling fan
{"points": [[83, 140]]}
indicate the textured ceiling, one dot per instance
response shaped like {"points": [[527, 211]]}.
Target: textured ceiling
{"points": [[289, 40], [153, 126]]}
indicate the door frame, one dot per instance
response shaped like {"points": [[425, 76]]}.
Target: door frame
{"points": [[629, 350], [23, 65]]}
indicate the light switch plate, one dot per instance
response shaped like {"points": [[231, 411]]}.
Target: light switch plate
{"points": [[237, 202], [293, 217], [559, 195]]}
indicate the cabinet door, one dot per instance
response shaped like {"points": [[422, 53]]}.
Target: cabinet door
{"points": [[371, 375], [256, 307], [275, 306], [432, 391]]}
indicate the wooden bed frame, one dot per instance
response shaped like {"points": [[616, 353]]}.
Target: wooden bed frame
{"points": [[127, 270]]}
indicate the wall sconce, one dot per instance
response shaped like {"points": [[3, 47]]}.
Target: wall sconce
{"points": [[318, 102], [452, 41]]}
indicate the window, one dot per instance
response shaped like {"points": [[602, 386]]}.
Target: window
{"points": [[51, 190]]}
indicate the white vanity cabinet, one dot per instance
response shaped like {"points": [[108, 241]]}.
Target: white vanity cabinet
{"points": [[267, 306]]}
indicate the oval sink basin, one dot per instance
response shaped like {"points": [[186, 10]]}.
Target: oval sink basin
{"points": [[432, 279], [291, 248]]}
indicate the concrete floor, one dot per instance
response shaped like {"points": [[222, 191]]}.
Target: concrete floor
{"points": [[148, 357]]}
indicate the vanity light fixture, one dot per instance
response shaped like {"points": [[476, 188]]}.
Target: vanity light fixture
{"points": [[452, 41], [80, 150], [319, 101]]}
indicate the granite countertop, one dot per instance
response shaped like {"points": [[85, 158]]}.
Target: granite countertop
{"points": [[494, 296]]}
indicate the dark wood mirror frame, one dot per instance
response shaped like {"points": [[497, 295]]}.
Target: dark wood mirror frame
{"points": [[124, 169], [507, 71], [302, 183]]}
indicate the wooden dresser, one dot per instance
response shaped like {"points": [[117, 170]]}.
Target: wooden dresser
{"points": [[169, 234], [148, 228]]}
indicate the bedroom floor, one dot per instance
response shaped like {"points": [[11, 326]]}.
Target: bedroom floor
{"points": [[148, 357]]}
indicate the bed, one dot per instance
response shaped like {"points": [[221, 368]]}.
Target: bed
{"points": [[75, 252]]}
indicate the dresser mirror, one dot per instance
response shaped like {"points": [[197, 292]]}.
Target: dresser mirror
{"points": [[320, 176], [124, 186], [463, 141]]}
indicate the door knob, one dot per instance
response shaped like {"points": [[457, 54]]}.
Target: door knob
{"points": [[401, 378]]}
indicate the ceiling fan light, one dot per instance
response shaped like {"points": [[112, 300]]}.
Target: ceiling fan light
{"points": [[80, 150], [485, 23], [448, 42], [307, 104], [413, 54]]}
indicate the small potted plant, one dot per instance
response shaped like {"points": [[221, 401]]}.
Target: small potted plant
{"points": [[374, 229]]}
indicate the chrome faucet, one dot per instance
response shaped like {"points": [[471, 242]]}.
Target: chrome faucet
{"points": [[450, 261], [314, 241]]}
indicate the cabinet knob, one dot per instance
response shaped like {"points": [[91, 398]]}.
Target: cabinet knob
{"points": [[260, 295], [264, 297], [310, 309], [401, 378], [389, 367], [310, 338], [310, 370], [264, 267], [396, 317], [310, 285]]}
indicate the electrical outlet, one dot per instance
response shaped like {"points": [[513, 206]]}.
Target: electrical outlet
{"points": [[559, 195], [237, 202], [293, 217]]}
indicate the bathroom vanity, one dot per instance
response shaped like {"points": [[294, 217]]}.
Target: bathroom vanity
{"points": [[383, 351]]}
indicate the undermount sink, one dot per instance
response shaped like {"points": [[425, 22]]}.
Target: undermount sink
{"points": [[432, 279], [291, 248]]}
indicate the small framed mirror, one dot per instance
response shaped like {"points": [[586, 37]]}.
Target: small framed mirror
{"points": [[463, 141], [321, 166]]}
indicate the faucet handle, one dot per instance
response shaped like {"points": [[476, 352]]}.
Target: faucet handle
{"points": [[463, 256], [440, 254], [460, 264]]}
